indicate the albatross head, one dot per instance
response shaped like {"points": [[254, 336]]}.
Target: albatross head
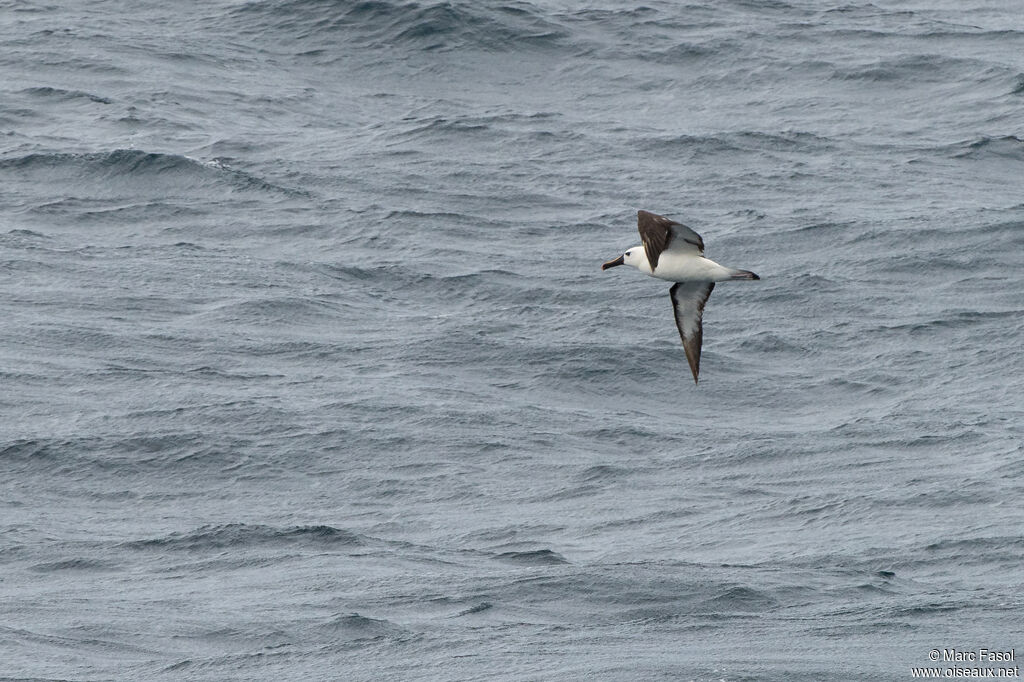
{"points": [[634, 256]]}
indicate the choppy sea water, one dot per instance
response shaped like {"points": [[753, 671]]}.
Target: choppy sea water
{"points": [[308, 369]]}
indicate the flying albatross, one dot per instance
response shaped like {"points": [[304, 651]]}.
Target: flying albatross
{"points": [[673, 252]]}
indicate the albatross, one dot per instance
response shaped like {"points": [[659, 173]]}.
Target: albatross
{"points": [[673, 252]]}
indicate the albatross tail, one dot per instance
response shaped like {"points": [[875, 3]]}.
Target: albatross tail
{"points": [[743, 274]]}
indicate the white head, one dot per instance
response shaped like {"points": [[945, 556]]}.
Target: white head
{"points": [[633, 256]]}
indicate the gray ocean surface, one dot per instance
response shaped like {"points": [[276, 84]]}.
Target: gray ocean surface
{"points": [[309, 371]]}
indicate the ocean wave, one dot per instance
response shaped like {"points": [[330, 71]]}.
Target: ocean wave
{"points": [[132, 168], [356, 630], [604, 473], [991, 321], [312, 28], [97, 455], [537, 557], [740, 599], [284, 309], [480, 607], [1006, 146], [652, 593], [213, 537], [740, 141], [75, 564], [62, 95], [911, 68], [1005, 545], [459, 290], [477, 127]]}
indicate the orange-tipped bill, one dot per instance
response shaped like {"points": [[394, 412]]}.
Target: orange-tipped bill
{"points": [[612, 263]]}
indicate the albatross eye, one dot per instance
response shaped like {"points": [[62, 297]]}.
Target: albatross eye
{"points": [[627, 253]]}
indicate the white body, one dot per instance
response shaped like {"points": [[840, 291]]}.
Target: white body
{"points": [[679, 266]]}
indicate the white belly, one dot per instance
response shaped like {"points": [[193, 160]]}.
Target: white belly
{"points": [[689, 268]]}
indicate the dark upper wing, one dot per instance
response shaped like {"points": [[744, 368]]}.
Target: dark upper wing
{"points": [[659, 233], [688, 299]]}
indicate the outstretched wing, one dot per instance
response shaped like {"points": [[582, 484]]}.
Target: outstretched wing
{"points": [[659, 233], [688, 299]]}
